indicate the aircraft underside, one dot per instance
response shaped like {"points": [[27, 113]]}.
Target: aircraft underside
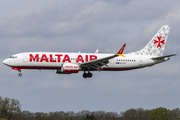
{"points": [[86, 73]]}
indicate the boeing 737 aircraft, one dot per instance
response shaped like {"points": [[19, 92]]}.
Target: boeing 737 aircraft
{"points": [[67, 63]]}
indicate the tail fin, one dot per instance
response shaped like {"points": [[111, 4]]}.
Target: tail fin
{"points": [[157, 44]]}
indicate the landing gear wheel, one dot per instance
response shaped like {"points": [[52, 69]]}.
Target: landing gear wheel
{"points": [[85, 75], [89, 75], [20, 74]]}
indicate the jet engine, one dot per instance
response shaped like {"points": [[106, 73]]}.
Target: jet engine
{"points": [[68, 68]]}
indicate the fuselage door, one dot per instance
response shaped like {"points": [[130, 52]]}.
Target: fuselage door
{"points": [[140, 61], [112, 61], [25, 58]]}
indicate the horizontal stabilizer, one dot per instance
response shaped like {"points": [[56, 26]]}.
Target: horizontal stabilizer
{"points": [[156, 58]]}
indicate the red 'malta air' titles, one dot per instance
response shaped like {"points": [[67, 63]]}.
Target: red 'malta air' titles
{"points": [[59, 57]]}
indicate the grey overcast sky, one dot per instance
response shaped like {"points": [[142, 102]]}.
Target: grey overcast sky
{"points": [[87, 25]]}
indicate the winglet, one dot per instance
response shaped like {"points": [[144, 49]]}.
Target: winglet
{"points": [[97, 51], [120, 53]]}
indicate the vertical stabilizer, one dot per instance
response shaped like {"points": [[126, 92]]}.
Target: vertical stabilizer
{"points": [[156, 45]]}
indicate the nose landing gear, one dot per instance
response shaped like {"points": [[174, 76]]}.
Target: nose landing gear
{"points": [[20, 74], [19, 70], [89, 74]]}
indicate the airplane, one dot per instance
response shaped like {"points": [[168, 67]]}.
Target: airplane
{"points": [[68, 63]]}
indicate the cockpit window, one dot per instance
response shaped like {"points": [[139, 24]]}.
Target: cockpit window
{"points": [[13, 57]]}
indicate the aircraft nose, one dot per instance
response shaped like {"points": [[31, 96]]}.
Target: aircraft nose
{"points": [[5, 62]]}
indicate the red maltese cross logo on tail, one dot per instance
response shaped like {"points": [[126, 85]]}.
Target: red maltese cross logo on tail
{"points": [[159, 41]]}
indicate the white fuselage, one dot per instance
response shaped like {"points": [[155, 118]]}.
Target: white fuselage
{"points": [[54, 60]]}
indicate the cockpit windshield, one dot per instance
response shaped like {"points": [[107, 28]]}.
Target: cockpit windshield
{"points": [[13, 57]]}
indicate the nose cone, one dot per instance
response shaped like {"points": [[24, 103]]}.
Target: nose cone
{"points": [[5, 62]]}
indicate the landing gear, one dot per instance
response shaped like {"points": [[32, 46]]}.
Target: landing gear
{"points": [[20, 74], [85, 75]]}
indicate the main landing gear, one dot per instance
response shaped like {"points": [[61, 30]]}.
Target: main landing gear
{"points": [[85, 75]]}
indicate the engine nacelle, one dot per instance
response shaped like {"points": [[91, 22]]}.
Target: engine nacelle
{"points": [[68, 68]]}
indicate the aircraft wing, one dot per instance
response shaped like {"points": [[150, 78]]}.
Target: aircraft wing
{"points": [[98, 63]]}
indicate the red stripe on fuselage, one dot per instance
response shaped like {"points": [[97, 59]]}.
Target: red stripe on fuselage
{"points": [[120, 69], [55, 68]]}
